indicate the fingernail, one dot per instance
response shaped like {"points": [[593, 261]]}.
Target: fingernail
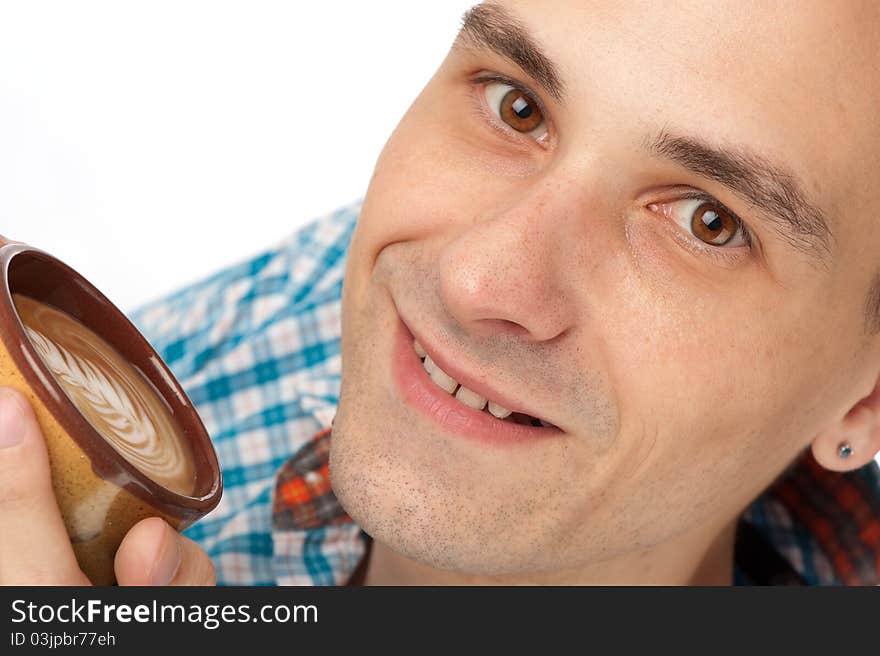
{"points": [[11, 416], [169, 560]]}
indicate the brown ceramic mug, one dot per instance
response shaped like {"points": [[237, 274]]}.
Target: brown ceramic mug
{"points": [[100, 493]]}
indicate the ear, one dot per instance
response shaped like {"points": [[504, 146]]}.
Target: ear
{"points": [[860, 428]]}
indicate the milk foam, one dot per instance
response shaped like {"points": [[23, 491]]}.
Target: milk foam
{"points": [[112, 395]]}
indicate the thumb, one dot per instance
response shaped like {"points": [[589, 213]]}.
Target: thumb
{"points": [[34, 547], [153, 553]]}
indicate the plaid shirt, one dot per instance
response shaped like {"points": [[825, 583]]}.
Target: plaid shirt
{"points": [[256, 346]]}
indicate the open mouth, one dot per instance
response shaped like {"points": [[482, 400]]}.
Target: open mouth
{"points": [[470, 398]]}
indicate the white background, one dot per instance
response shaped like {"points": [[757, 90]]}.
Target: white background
{"points": [[147, 144]]}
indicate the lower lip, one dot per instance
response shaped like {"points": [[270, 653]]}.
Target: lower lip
{"points": [[420, 392]]}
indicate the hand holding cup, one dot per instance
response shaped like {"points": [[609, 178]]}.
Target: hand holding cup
{"points": [[36, 549], [102, 444]]}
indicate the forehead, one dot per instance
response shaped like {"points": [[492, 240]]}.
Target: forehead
{"points": [[800, 80]]}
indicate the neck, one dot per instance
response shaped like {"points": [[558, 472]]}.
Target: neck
{"points": [[698, 558]]}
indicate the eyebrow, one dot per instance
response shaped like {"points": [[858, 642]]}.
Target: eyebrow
{"points": [[754, 178], [763, 184], [491, 27]]}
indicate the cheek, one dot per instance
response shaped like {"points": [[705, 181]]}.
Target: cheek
{"points": [[434, 171], [699, 357]]}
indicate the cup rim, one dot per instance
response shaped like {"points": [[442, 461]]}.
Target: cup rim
{"points": [[106, 461]]}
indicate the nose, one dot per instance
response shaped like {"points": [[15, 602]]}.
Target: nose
{"points": [[501, 274]]}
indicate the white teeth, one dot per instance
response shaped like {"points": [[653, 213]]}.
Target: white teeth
{"points": [[465, 395], [470, 398], [444, 380], [498, 411]]}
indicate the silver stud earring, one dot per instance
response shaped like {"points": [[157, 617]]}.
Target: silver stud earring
{"points": [[844, 450]]}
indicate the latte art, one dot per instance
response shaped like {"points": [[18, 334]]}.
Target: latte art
{"points": [[113, 396]]}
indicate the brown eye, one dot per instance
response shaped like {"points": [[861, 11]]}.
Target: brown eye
{"points": [[516, 108], [713, 225], [519, 112]]}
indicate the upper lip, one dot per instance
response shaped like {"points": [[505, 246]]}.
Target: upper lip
{"points": [[449, 366]]}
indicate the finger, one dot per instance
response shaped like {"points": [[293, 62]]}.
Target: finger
{"points": [[35, 548], [153, 553]]}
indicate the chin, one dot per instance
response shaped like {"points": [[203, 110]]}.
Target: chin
{"points": [[423, 519]]}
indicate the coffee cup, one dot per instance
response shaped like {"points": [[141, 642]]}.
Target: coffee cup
{"points": [[123, 438]]}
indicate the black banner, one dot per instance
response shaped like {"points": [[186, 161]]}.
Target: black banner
{"points": [[257, 620]]}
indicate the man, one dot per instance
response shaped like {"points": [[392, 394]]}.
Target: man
{"points": [[645, 230]]}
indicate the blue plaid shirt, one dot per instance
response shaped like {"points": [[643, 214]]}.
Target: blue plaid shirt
{"points": [[256, 346]]}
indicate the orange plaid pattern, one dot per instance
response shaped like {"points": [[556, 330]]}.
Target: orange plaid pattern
{"points": [[304, 497], [842, 513]]}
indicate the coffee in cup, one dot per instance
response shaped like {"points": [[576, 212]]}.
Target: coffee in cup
{"points": [[115, 399]]}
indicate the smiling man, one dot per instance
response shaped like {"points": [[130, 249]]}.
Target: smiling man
{"points": [[610, 315]]}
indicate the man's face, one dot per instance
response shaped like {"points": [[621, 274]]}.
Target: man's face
{"points": [[639, 262]]}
